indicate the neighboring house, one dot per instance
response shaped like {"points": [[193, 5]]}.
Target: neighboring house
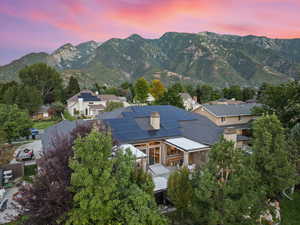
{"points": [[234, 117], [42, 113], [150, 98], [89, 104], [189, 102]]}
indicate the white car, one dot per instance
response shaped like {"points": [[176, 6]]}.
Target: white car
{"points": [[25, 154]]}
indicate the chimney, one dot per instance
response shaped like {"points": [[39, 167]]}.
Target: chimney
{"points": [[155, 120], [230, 134]]}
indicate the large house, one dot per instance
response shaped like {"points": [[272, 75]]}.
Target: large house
{"points": [[234, 116], [162, 138], [89, 104]]}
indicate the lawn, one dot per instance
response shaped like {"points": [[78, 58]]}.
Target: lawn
{"points": [[290, 210], [41, 125]]}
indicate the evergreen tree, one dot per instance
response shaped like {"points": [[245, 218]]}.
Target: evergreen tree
{"points": [[226, 191], [294, 146], [72, 88], [141, 90], [92, 181], [180, 192], [270, 155], [105, 191]]}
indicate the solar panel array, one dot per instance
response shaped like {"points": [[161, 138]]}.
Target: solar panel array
{"points": [[88, 97], [127, 129]]}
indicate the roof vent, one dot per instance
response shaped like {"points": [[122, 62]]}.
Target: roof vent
{"points": [[155, 120]]}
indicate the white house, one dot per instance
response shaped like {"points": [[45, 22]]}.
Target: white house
{"points": [[90, 104], [189, 102]]}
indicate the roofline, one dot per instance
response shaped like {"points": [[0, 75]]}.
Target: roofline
{"points": [[192, 150], [225, 115]]}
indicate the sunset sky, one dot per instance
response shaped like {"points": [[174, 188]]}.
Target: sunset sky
{"points": [[44, 25]]}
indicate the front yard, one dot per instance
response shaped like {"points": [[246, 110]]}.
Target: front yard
{"points": [[41, 125], [290, 210]]}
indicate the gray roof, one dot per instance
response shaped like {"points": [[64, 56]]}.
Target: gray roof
{"points": [[223, 110], [61, 129], [131, 125]]}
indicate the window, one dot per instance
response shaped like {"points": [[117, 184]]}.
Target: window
{"points": [[239, 117], [91, 103], [222, 119]]}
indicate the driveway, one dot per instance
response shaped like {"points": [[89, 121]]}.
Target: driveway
{"points": [[8, 214], [36, 146]]}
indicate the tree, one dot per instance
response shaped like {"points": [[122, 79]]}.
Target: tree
{"points": [[29, 98], [233, 92], [10, 95], [14, 122], [206, 93], [283, 100], [157, 89], [226, 190], [180, 191], [105, 191], [48, 199], [136, 202], [177, 87], [270, 155], [294, 146], [44, 78], [248, 93], [57, 108], [141, 90], [72, 88], [110, 106], [171, 97]]}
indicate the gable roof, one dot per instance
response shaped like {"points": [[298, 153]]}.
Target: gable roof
{"points": [[131, 124], [224, 110], [86, 95]]}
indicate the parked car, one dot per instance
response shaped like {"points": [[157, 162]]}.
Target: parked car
{"points": [[34, 131], [3, 205], [25, 154]]}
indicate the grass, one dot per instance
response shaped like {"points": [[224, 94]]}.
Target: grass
{"points": [[68, 116], [290, 210], [41, 125]]}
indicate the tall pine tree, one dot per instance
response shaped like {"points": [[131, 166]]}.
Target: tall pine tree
{"points": [[226, 191], [270, 155]]}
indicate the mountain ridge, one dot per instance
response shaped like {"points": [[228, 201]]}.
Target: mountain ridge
{"points": [[203, 57]]}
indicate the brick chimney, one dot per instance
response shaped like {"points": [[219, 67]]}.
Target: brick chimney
{"points": [[155, 120]]}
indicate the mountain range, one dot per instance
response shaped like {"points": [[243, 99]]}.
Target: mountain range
{"points": [[205, 57]]}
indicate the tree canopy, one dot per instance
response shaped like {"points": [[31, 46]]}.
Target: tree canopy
{"points": [[270, 155], [110, 106], [157, 89], [226, 191], [73, 88], [141, 90], [105, 188], [14, 122], [45, 79]]}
